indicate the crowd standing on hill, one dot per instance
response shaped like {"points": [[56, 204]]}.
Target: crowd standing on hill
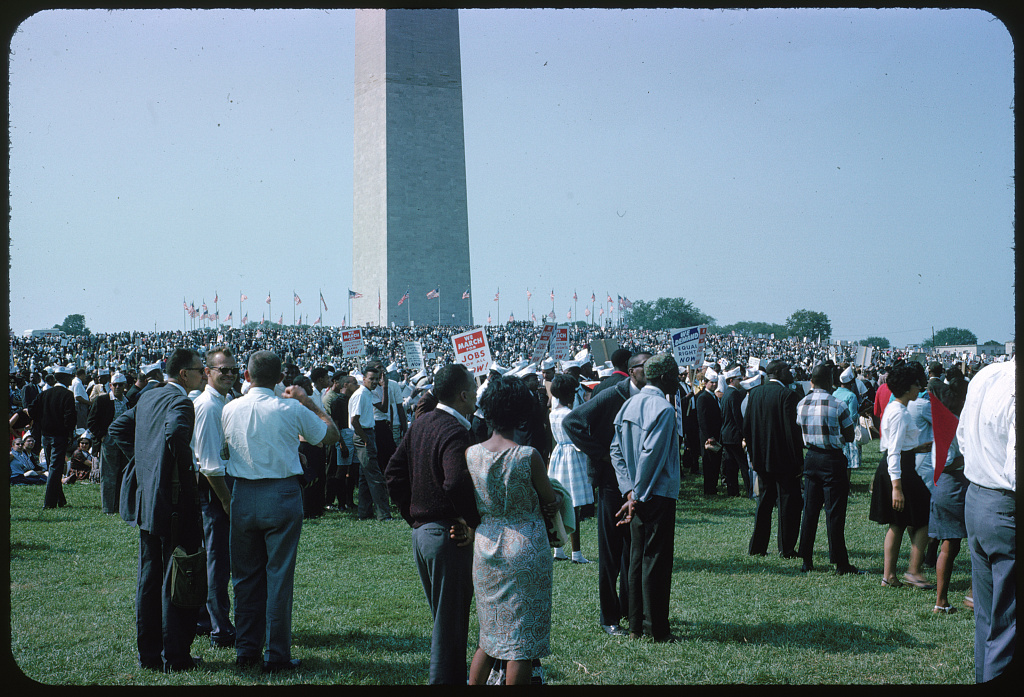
{"points": [[544, 448]]}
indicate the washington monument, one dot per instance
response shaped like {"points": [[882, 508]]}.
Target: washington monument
{"points": [[409, 217]]}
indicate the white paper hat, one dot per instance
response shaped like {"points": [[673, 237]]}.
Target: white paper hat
{"points": [[548, 364], [118, 377], [734, 373], [751, 383], [847, 375]]}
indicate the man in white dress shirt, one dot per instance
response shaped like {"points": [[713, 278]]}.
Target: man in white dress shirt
{"points": [[987, 435], [215, 492], [261, 434]]}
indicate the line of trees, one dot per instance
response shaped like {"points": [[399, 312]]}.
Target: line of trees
{"points": [[670, 313]]}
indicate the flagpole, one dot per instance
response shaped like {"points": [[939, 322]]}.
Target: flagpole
{"points": [[408, 310], [439, 307], [293, 307], [497, 299], [378, 306], [184, 322], [321, 308], [527, 302], [270, 307]]}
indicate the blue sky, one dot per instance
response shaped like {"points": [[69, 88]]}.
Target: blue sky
{"points": [[756, 162]]}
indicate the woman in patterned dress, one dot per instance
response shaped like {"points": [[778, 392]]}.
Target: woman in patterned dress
{"points": [[512, 565], [568, 465]]}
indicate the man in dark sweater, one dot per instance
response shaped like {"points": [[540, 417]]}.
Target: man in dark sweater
{"points": [[54, 418], [428, 480], [591, 427]]}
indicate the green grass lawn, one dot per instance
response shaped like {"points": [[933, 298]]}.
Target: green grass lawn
{"points": [[361, 618]]}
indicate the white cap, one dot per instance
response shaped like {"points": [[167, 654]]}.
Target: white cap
{"points": [[548, 364], [734, 373], [63, 370], [721, 383], [847, 375], [751, 383], [497, 368], [104, 371], [118, 377], [393, 368], [604, 372], [710, 374], [151, 368]]}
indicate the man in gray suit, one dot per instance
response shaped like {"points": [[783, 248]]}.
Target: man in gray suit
{"points": [[157, 432]]}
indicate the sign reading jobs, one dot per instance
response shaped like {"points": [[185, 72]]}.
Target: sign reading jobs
{"points": [[352, 343], [472, 351]]}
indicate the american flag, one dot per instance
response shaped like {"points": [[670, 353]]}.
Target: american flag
{"points": [[280, 319], [586, 312], [403, 298], [243, 298], [215, 296], [245, 319], [552, 295], [574, 295], [268, 298], [298, 300], [436, 293], [488, 318], [593, 297], [185, 304], [317, 321], [230, 315], [528, 294], [323, 301], [568, 315], [600, 313], [533, 316], [352, 295], [204, 307], [511, 317], [609, 298], [496, 296], [551, 315], [626, 303], [465, 295]]}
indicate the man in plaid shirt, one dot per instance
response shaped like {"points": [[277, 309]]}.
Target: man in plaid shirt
{"points": [[826, 423]]}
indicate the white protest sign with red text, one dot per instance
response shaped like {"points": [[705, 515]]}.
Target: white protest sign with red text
{"points": [[472, 351]]}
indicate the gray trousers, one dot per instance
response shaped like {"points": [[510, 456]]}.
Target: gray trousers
{"points": [[112, 464], [992, 538], [266, 520], [446, 572], [372, 489]]}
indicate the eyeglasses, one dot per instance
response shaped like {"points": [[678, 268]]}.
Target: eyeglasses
{"points": [[226, 371]]}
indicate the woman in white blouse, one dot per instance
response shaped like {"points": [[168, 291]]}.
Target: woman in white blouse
{"points": [[899, 496]]}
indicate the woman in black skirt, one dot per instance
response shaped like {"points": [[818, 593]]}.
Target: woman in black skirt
{"points": [[900, 498]]}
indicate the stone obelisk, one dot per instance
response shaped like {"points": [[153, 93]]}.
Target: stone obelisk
{"points": [[409, 215]]}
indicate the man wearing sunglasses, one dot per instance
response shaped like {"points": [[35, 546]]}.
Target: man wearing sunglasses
{"points": [[215, 493]]}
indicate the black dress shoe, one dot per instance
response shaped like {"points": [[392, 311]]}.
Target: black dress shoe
{"points": [[196, 662], [614, 630], [848, 569], [788, 555], [203, 631], [225, 641], [157, 665], [278, 666], [248, 661], [666, 639], [806, 566]]}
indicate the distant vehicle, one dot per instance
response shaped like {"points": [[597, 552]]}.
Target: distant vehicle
{"points": [[42, 332]]}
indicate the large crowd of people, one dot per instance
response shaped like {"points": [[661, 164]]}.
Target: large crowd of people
{"points": [[492, 472]]}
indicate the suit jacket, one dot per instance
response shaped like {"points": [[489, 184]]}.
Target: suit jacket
{"points": [[591, 428], [53, 413], [773, 435], [709, 416], [133, 399], [157, 432], [732, 416], [101, 413]]}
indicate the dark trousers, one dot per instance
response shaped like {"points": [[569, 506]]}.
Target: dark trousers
{"points": [[992, 538], [165, 631], [826, 483], [217, 536], [373, 493], [112, 464], [712, 464], [734, 464], [446, 572], [652, 542], [385, 437], [56, 450], [785, 490], [613, 544], [266, 521]]}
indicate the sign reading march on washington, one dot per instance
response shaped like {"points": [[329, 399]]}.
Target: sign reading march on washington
{"points": [[560, 344], [472, 351], [688, 344], [352, 343], [413, 355], [542, 342]]}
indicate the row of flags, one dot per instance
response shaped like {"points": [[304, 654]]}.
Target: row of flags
{"points": [[623, 302]]}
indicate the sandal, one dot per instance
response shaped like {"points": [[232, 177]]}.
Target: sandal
{"points": [[949, 609], [893, 583], [918, 582]]}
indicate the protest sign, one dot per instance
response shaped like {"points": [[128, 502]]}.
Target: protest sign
{"points": [[688, 344], [754, 363], [560, 344], [352, 343], [541, 347], [601, 350], [863, 356], [472, 351], [413, 355]]}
